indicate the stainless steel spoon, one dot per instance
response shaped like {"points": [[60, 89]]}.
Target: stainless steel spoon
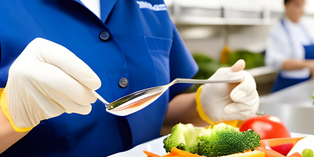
{"points": [[138, 100]]}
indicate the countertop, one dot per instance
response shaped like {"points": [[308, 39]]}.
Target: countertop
{"points": [[293, 105]]}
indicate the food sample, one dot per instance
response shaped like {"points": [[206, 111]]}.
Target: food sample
{"points": [[219, 140]]}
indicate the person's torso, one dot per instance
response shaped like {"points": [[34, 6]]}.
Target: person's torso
{"points": [[138, 49], [300, 45], [297, 36], [297, 31]]}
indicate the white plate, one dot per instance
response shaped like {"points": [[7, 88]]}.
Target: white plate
{"points": [[156, 146]]}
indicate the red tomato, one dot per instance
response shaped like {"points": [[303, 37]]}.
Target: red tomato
{"points": [[283, 149], [266, 126]]}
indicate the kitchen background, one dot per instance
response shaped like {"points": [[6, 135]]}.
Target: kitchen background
{"points": [[215, 27]]}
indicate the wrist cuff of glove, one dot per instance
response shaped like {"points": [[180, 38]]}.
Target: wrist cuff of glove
{"points": [[203, 115], [4, 107], [199, 107]]}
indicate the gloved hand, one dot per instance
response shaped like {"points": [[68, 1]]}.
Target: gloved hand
{"points": [[45, 81], [228, 101]]}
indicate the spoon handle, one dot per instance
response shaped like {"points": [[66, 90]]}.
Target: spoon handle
{"points": [[100, 98], [198, 81]]}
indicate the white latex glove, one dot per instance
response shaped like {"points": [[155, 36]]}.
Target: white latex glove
{"points": [[45, 81], [230, 101]]}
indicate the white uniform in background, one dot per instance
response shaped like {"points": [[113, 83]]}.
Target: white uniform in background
{"points": [[283, 45]]}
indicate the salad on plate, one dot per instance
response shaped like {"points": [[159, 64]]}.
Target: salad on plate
{"points": [[224, 140]]}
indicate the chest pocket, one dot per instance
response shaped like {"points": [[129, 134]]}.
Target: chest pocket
{"points": [[159, 49]]}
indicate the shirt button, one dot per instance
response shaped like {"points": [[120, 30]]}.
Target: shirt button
{"points": [[104, 35], [123, 82]]}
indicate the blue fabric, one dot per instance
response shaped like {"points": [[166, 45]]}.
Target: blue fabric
{"points": [[282, 82], [309, 51], [144, 47]]}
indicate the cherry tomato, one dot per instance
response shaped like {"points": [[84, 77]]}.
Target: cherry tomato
{"points": [[266, 126]]}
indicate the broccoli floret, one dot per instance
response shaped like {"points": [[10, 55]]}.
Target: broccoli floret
{"points": [[226, 140], [219, 140], [251, 139], [183, 136]]}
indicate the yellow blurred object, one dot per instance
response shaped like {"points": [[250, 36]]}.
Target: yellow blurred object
{"points": [[203, 115], [224, 55], [240, 123]]}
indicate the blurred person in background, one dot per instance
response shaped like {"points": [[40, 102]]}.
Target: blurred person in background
{"points": [[290, 48]]}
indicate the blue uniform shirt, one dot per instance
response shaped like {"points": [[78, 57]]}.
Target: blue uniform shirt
{"points": [[139, 43]]}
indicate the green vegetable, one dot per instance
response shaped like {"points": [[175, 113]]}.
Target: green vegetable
{"points": [[307, 153], [201, 58], [225, 140], [220, 140], [207, 66], [313, 97], [251, 59], [183, 136]]}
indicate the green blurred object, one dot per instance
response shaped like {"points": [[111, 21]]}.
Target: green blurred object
{"points": [[207, 66], [252, 59]]}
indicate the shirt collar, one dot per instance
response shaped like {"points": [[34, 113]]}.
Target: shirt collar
{"points": [[106, 7], [292, 24]]}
